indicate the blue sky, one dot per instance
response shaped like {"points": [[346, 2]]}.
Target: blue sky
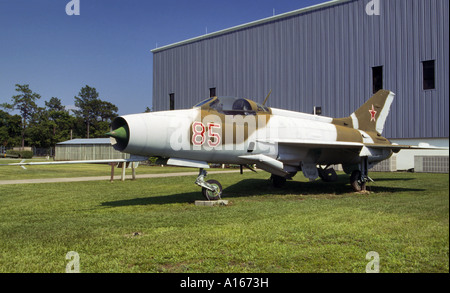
{"points": [[108, 45]]}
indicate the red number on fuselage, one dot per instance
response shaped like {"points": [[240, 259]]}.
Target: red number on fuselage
{"points": [[212, 134], [198, 134]]}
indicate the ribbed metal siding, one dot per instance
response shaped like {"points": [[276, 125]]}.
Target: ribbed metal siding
{"points": [[75, 152], [323, 58]]}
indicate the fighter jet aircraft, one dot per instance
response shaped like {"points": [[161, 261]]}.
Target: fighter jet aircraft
{"points": [[229, 130]]}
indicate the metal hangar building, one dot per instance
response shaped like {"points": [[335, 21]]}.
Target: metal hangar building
{"points": [[331, 56]]}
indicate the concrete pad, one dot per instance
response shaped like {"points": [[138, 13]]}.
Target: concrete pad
{"points": [[211, 203]]}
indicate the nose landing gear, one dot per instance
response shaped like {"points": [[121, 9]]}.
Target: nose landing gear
{"points": [[211, 189]]}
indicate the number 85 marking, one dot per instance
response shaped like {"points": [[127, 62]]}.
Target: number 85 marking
{"points": [[198, 134]]}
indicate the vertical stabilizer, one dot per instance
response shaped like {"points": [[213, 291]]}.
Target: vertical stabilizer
{"points": [[372, 115]]}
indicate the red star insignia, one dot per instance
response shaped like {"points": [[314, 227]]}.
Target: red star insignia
{"points": [[372, 114]]}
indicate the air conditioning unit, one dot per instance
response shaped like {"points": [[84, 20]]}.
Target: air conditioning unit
{"points": [[389, 165], [431, 164]]}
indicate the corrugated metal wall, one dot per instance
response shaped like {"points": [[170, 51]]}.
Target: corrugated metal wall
{"points": [[77, 152], [323, 58]]}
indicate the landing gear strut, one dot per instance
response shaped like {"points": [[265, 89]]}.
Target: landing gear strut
{"points": [[357, 181], [211, 189], [359, 178]]}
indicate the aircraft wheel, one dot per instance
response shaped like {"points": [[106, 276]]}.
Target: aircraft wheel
{"points": [[278, 181], [355, 181], [327, 175], [211, 195]]}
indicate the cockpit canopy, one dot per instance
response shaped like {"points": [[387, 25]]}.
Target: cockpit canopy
{"points": [[232, 106]]}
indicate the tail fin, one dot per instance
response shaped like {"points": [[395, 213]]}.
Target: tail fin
{"points": [[372, 115]]}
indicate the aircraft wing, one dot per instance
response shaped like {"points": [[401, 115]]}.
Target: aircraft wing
{"points": [[131, 159], [398, 147], [364, 149], [350, 145], [315, 143]]}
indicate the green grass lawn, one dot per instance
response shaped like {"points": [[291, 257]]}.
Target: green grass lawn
{"points": [[75, 170], [152, 225]]}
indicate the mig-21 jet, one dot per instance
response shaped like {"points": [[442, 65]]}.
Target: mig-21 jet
{"points": [[228, 130]]}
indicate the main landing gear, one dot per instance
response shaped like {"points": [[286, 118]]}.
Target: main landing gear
{"points": [[359, 178], [211, 189]]}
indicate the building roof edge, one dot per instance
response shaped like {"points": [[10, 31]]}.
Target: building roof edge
{"points": [[253, 23]]}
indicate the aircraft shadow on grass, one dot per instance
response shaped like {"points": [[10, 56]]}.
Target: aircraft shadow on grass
{"points": [[255, 187]]}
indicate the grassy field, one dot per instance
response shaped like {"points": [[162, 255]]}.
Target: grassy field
{"points": [[75, 170], [152, 225]]}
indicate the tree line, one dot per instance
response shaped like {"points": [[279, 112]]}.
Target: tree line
{"points": [[44, 127]]}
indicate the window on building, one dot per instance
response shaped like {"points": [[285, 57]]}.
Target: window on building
{"points": [[172, 101], [377, 78], [428, 72], [212, 92], [317, 110]]}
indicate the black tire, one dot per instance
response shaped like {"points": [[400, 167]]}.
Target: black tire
{"points": [[356, 183], [210, 195], [328, 175]]}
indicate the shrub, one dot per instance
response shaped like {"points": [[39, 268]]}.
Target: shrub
{"points": [[20, 154]]}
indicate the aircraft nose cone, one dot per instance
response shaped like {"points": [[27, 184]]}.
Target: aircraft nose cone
{"points": [[119, 133]]}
